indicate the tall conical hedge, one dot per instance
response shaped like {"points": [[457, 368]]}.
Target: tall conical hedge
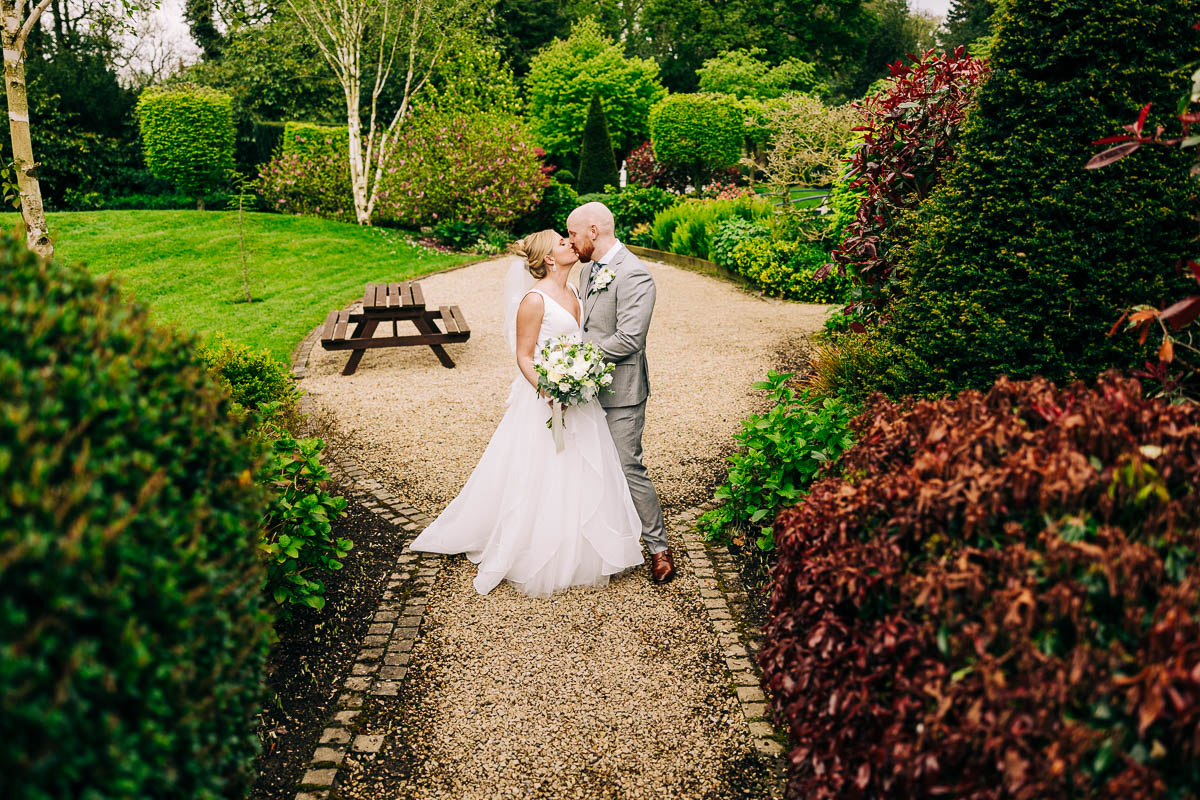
{"points": [[597, 165], [133, 623], [1023, 260]]}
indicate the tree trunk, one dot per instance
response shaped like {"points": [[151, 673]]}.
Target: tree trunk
{"points": [[359, 172], [36, 231]]}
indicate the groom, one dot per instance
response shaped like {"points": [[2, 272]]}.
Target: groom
{"points": [[618, 299]]}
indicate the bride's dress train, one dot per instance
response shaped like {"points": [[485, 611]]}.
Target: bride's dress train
{"points": [[543, 520]]}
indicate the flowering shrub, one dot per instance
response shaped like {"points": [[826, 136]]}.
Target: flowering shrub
{"points": [[314, 184], [787, 268], [471, 168], [909, 132], [1001, 599]]}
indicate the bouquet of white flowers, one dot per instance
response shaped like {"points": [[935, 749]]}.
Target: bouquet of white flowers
{"points": [[570, 373]]}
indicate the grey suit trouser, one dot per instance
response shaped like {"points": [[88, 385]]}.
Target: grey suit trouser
{"points": [[626, 424]]}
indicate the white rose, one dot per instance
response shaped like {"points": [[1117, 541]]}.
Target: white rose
{"points": [[564, 387], [606, 380]]}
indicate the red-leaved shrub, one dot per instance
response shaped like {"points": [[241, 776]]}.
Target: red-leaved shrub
{"points": [[999, 600], [643, 169], [908, 140]]}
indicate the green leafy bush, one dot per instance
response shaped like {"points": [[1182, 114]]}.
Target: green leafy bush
{"points": [[1021, 270], [743, 73], [779, 455], [309, 138], [133, 626], [565, 76], [787, 268], [686, 228], [187, 137], [597, 165], [471, 236], [636, 205], [297, 537], [255, 378], [729, 233], [700, 132], [558, 201]]}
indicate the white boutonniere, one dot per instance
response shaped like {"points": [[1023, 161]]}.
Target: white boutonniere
{"points": [[603, 277]]}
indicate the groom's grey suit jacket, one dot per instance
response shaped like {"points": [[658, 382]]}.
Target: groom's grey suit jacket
{"points": [[617, 319]]}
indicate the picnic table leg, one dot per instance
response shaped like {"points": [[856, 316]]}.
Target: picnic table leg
{"points": [[364, 330], [425, 324]]}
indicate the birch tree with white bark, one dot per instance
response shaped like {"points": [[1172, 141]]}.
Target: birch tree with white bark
{"points": [[18, 19], [369, 43]]}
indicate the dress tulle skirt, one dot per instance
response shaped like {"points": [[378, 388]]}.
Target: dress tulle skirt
{"points": [[543, 520]]}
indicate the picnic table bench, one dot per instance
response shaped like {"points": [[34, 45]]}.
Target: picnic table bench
{"points": [[393, 302]]}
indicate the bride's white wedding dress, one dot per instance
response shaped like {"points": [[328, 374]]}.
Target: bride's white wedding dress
{"points": [[543, 520]]}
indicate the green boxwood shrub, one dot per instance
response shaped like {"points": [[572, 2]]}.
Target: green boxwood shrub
{"points": [[700, 132], [786, 268], [255, 378], [133, 625], [310, 138], [1023, 260], [188, 137]]}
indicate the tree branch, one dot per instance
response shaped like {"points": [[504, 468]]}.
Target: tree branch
{"points": [[30, 22]]}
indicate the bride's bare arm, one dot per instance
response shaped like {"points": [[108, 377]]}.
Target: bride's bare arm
{"points": [[529, 322]]}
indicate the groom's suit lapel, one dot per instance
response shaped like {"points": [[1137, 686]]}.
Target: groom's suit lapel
{"points": [[591, 297]]}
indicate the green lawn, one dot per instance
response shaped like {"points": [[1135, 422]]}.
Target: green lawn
{"points": [[186, 266]]}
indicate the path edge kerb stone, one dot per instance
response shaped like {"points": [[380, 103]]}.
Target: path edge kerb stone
{"points": [[381, 664]]}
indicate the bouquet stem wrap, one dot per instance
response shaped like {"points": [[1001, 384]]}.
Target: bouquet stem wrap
{"points": [[556, 425]]}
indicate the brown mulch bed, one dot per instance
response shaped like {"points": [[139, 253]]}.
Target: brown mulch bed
{"points": [[316, 650]]}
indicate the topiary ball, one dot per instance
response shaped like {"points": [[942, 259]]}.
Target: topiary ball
{"points": [[133, 625]]}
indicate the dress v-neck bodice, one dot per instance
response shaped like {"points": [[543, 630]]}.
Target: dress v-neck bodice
{"points": [[557, 320]]}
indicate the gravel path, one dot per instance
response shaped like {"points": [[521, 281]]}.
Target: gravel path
{"points": [[420, 428], [598, 695]]}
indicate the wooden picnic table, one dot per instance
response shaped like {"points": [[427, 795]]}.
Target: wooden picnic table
{"points": [[393, 302]]}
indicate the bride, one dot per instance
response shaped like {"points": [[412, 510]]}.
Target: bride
{"points": [[541, 519]]}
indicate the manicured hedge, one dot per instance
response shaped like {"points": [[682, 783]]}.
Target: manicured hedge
{"points": [[133, 625], [187, 136], [1023, 259], [700, 132], [1001, 599]]}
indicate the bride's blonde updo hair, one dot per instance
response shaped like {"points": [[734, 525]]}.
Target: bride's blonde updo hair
{"points": [[533, 249]]}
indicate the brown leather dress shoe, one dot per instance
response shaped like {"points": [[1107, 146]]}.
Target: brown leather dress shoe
{"points": [[662, 567]]}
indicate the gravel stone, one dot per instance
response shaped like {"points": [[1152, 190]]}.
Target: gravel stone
{"points": [[592, 694]]}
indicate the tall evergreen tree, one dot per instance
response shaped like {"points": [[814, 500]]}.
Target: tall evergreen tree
{"points": [[967, 21], [1022, 260], [597, 164]]}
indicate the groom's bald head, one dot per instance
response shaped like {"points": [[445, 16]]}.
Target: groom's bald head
{"points": [[591, 227]]}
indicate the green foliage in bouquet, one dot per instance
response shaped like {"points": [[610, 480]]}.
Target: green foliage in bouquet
{"points": [[133, 626], [779, 455]]}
